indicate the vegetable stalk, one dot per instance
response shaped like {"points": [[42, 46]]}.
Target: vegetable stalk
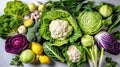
{"points": [[94, 56]]}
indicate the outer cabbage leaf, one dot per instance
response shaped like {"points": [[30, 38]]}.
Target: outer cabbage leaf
{"points": [[90, 22], [53, 52], [82, 59], [48, 16]]}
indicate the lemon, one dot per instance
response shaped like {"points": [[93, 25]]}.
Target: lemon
{"points": [[28, 22], [37, 48], [44, 59], [27, 56]]}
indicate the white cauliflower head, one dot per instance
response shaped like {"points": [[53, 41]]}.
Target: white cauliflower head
{"points": [[73, 53], [60, 29], [22, 29]]}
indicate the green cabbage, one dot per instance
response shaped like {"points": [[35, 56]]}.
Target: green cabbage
{"points": [[48, 16], [90, 22]]}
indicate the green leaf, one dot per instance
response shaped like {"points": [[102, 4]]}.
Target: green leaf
{"points": [[16, 61], [53, 52], [115, 23], [108, 21]]}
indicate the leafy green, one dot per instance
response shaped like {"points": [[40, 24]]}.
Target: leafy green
{"points": [[115, 19], [16, 61], [9, 25], [82, 59], [53, 52], [117, 8], [108, 21], [117, 35], [48, 16], [72, 6], [115, 22], [110, 62], [16, 8]]}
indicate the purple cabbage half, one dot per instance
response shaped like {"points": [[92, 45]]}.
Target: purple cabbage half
{"points": [[16, 44], [108, 42]]}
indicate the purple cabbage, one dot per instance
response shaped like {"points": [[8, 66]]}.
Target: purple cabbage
{"points": [[16, 44], [108, 42]]}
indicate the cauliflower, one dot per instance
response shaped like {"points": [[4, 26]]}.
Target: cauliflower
{"points": [[22, 29], [60, 29], [73, 53]]}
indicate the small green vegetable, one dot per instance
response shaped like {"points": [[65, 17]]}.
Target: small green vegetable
{"points": [[16, 61], [32, 7], [106, 10], [27, 56], [87, 40], [53, 52]]}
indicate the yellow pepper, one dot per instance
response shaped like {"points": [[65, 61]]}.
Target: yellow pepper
{"points": [[44, 59]]}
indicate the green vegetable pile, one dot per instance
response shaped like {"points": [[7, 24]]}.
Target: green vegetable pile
{"points": [[75, 32]]}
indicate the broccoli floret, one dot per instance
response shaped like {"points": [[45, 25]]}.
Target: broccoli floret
{"points": [[33, 33]]}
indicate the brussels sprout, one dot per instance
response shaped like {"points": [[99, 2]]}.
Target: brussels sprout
{"points": [[41, 7], [87, 40], [32, 6], [105, 10]]}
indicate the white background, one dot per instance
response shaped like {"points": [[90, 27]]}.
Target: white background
{"points": [[5, 58]]}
